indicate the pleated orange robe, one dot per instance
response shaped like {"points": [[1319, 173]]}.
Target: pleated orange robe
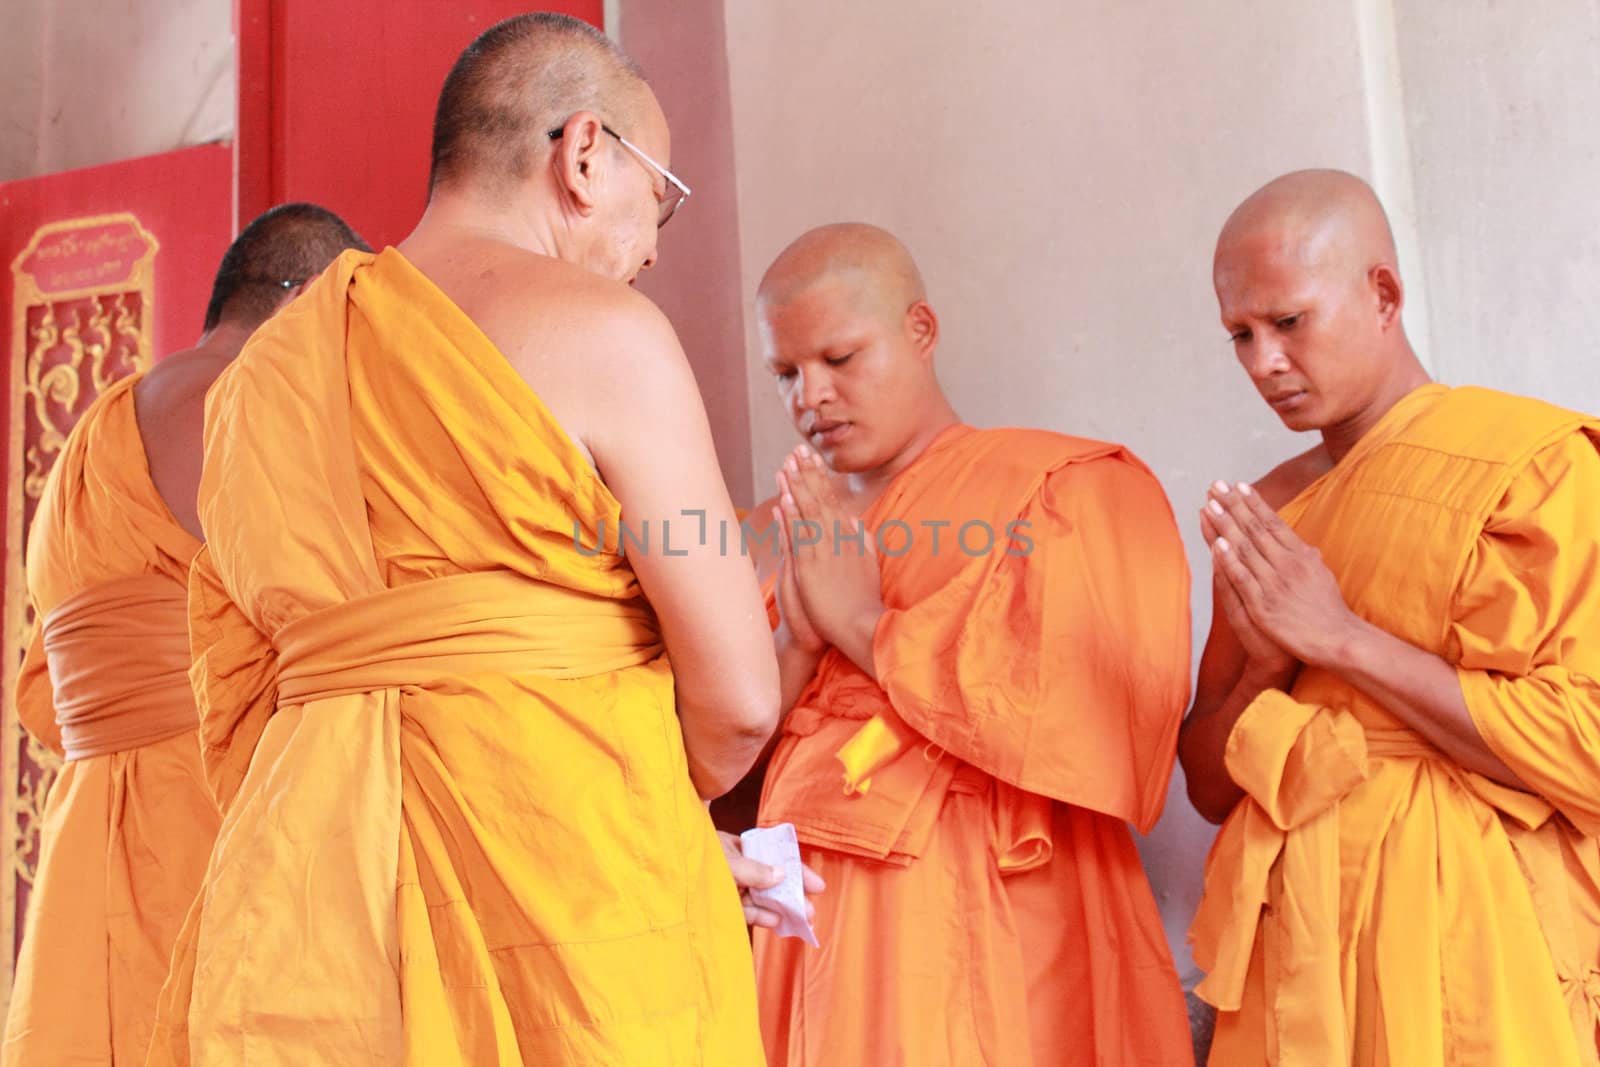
{"points": [[1369, 902], [129, 821], [459, 827], [985, 901]]}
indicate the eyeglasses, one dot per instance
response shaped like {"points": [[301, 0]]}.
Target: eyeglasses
{"points": [[676, 192]]}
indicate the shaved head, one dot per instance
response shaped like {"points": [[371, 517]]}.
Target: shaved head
{"points": [[520, 79], [1310, 294], [285, 246], [849, 338], [1321, 218], [871, 261]]}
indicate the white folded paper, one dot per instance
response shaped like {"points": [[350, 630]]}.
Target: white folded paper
{"points": [[778, 847]]}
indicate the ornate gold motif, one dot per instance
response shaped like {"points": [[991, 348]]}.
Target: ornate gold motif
{"points": [[81, 313]]}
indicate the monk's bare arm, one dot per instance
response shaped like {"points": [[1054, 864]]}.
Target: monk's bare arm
{"points": [[797, 658], [1227, 682], [652, 444], [1422, 690], [1230, 678]]}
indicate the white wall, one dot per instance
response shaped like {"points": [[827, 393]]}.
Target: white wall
{"points": [[92, 81], [1060, 172], [1503, 117]]}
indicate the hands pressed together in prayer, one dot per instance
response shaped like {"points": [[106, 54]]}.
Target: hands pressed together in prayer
{"points": [[1282, 601], [828, 580]]}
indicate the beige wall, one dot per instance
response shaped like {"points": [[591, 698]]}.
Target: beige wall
{"points": [[1060, 171], [1503, 118], [90, 82], [697, 280]]}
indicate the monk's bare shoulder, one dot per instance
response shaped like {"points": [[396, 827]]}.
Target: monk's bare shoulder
{"points": [[169, 406], [1288, 479]]}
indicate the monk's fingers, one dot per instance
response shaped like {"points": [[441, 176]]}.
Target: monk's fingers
{"points": [[802, 485], [757, 916], [1208, 529], [1236, 524], [812, 881], [802, 534], [1269, 521], [747, 873], [1238, 575], [819, 481], [783, 537]]}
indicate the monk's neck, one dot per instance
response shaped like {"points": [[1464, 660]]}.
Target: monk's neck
{"points": [[867, 486], [453, 217], [1343, 436], [222, 342]]}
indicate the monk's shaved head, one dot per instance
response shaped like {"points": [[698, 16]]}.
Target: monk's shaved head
{"points": [[870, 260], [521, 79], [1323, 219], [1309, 291]]}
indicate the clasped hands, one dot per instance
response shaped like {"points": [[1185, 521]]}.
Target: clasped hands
{"points": [[1281, 600], [828, 577]]}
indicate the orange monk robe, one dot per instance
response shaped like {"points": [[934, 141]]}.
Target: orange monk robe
{"points": [[458, 824], [129, 821], [985, 900], [1369, 902]]}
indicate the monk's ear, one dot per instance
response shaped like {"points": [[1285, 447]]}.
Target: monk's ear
{"points": [[922, 327], [1389, 292], [579, 159]]}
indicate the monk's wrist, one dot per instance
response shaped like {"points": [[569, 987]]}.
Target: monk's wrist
{"points": [[1346, 647], [1259, 677]]}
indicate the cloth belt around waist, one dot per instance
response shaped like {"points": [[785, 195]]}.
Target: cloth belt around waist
{"points": [[118, 656], [1302, 760], [483, 622]]}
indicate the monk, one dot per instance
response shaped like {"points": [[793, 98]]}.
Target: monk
{"points": [[974, 719], [129, 821], [462, 726], [1394, 718]]}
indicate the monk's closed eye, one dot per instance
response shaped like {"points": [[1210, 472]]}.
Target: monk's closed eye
{"points": [[834, 361], [1288, 322]]}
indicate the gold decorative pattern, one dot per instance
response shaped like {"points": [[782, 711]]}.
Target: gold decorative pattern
{"points": [[81, 313]]}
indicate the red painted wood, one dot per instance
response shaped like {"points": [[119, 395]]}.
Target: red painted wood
{"points": [[352, 90]]}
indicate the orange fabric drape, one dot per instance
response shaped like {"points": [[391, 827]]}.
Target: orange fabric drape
{"points": [[459, 826], [129, 821], [985, 900], [1369, 902]]}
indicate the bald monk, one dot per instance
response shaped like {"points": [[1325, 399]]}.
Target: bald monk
{"points": [[1394, 719], [129, 821], [973, 721], [464, 786]]}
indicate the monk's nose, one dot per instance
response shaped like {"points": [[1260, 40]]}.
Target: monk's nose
{"points": [[1267, 358], [815, 389]]}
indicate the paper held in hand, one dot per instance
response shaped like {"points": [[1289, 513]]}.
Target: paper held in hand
{"points": [[778, 847]]}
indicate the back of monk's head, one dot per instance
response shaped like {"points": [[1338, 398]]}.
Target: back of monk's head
{"points": [[519, 80], [281, 249]]}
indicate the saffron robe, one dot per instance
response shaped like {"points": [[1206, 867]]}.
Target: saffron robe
{"points": [[985, 900], [129, 820], [1369, 902], [459, 827]]}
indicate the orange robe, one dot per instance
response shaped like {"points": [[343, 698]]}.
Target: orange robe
{"points": [[985, 901], [1369, 902], [129, 821], [458, 824]]}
